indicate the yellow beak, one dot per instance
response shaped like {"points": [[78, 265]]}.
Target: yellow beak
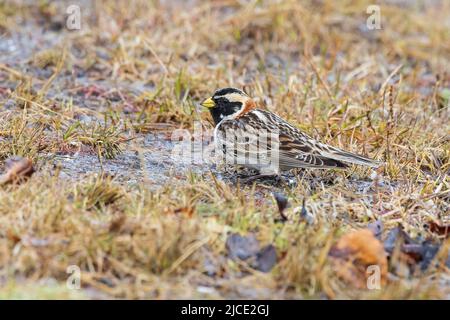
{"points": [[208, 103]]}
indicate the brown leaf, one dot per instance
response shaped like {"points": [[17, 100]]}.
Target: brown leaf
{"points": [[13, 236], [440, 229], [282, 203], [242, 247], [16, 170], [266, 258], [354, 253], [116, 225], [414, 252], [247, 248], [184, 211]]}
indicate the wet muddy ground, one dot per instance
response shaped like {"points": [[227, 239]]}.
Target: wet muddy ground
{"points": [[148, 159]]}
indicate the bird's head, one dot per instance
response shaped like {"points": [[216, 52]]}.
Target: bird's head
{"points": [[227, 101]]}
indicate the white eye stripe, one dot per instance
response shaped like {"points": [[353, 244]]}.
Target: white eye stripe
{"points": [[234, 97]]}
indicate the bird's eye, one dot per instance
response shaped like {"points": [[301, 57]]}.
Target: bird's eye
{"points": [[221, 100]]}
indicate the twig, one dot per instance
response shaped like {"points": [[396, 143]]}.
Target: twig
{"points": [[189, 251], [53, 76], [149, 47], [390, 77], [324, 84], [15, 73]]}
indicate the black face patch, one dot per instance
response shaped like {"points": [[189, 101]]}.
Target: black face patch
{"points": [[224, 108]]}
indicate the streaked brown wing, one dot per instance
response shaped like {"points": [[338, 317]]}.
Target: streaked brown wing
{"points": [[296, 153], [297, 145], [293, 149]]}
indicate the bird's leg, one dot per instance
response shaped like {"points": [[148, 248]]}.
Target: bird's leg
{"points": [[258, 176]]}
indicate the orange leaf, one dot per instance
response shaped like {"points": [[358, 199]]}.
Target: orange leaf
{"points": [[355, 253]]}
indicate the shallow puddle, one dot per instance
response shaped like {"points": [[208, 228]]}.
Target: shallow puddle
{"points": [[149, 159]]}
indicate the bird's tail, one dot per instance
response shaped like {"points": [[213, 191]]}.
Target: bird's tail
{"points": [[341, 155]]}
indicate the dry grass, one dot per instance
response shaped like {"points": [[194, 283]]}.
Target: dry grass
{"points": [[134, 66]]}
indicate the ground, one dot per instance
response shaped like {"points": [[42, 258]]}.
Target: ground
{"points": [[95, 108]]}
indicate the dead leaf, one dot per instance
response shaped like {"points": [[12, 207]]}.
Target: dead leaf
{"points": [[393, 236], [376, 227], [246, 248], [16, 170], [184, 211], [415, 251], [282, 203], [117, 223], [266, 259], [304, 214], [241, 247], [424, 253], [354, 253], [440, 229], [13, 236]]}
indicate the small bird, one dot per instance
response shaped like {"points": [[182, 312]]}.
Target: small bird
{"points": [[239, 126]]}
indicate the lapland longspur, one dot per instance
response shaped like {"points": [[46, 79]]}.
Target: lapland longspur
{"points": [[261, 140]]}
